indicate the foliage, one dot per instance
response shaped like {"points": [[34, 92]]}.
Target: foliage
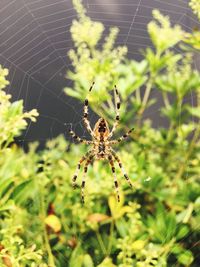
{"points": [[193, 39], [91, 63], [43, 222], [12, 118], [195, 5], [161, 27], [14, 176]]}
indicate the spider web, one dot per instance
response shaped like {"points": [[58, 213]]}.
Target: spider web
{"points": [[35, 39]]}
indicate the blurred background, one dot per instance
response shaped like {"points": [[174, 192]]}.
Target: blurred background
{"points": [[35, 39]]}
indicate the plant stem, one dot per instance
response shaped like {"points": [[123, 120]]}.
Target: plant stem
{"points": [[166, 100], [6, 197], [8, 141], [46, 239], [144, 100], [170, 132], [137, 95], [111, 237], [147, 93], [188, 154], [173, 126], [101, 242]]}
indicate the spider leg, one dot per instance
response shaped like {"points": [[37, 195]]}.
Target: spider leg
{"points": [[117, 106], [78, 168], [112, 142], [85, 114], [76, 137], [121, 167], [110, 158], [89, 160]]}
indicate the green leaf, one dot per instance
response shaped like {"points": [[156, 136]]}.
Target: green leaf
{"points": [[72, 92], [16, 108], [176, 249], [87, 261], [182, 232], [9, 205], [139, 67], [23, 191], [76, 259], [162, 84], [186, 257], [162, 227], [197, 204], [194, 111], [121, 227], [107, 262], [5, 182]]}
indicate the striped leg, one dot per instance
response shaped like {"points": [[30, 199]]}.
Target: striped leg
{"points": [[89, 160], [85, 114], [78, 168], [110, 158], [121, 167], [117, 106], [112, 142], [76, 137]]}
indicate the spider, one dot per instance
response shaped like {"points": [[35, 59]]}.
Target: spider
{"points": [[101, 144]]}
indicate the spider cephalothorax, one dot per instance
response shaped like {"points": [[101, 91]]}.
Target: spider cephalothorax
{"points": [[102, 145], [101, 129]]}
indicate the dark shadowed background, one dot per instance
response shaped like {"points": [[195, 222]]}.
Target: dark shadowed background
{"points": [[35, 39]]}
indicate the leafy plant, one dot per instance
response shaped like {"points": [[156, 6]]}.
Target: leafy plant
{"points": [[195, 5], [42, 220]]}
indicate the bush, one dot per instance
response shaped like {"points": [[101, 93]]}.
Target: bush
{"points": [[43, 222]]}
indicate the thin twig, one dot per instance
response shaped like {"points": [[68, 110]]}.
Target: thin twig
{"points": [[46, 239], [188, 154], [137, 95], [166, 100], [147, 93], [111, 237], [102, 246], [144, 101]]}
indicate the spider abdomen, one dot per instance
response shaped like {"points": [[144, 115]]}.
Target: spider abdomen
{"points": [[101, 147]]}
